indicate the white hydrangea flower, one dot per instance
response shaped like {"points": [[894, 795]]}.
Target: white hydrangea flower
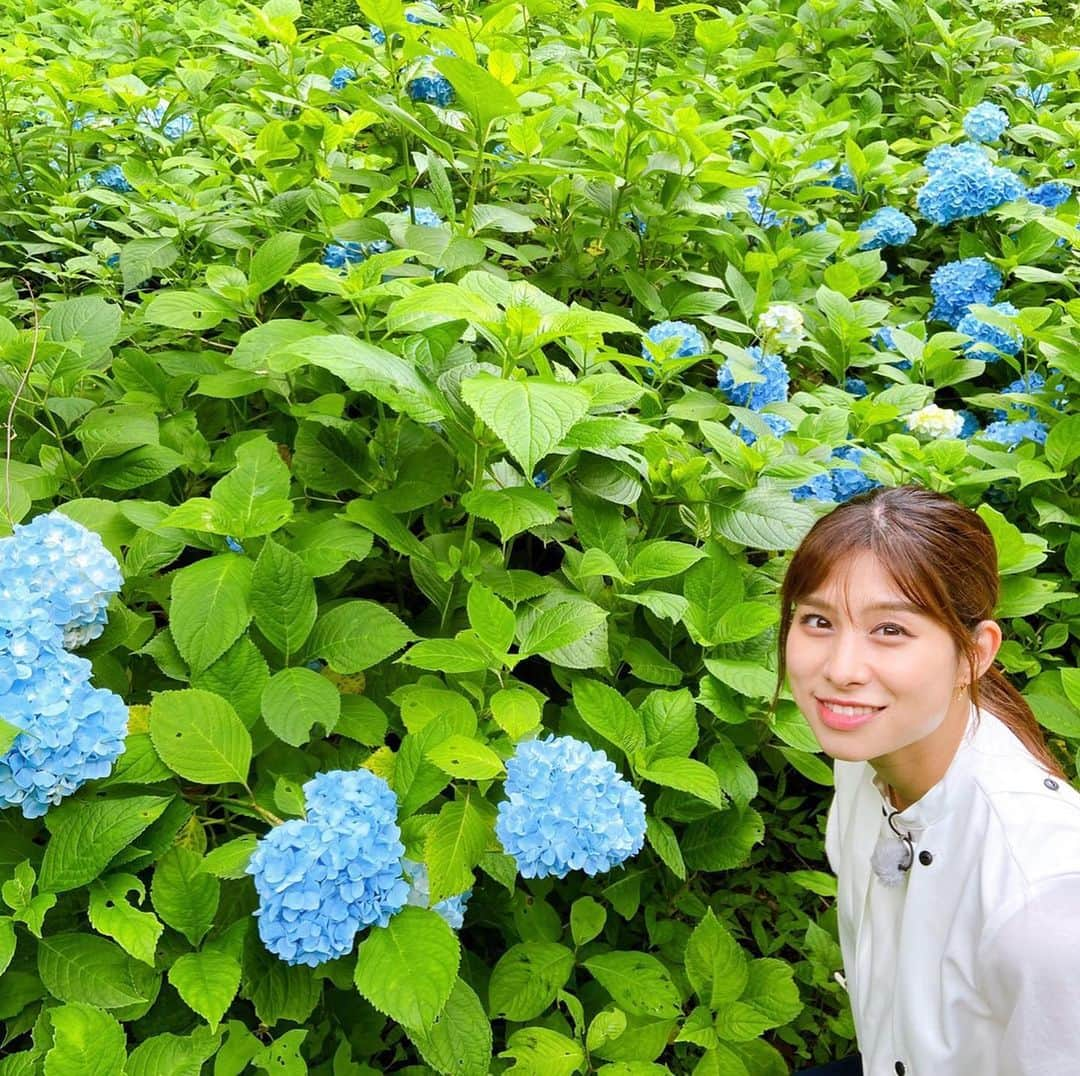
{"points": [[782, 326], [934, 421]]}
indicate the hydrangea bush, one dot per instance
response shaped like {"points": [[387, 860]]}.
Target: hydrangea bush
{"points": [[410, 410]]}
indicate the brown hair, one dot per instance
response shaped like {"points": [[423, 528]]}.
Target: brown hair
{"points": [[942, 557]]}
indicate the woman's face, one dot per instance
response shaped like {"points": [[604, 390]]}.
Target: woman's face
{"points": [[871, 673]]}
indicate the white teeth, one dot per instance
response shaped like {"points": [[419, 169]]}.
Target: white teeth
{"points": [[852, 711]]}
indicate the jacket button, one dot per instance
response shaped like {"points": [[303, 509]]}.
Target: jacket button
{"points": [[1051, 784], [900, 1070], [925, 858]]}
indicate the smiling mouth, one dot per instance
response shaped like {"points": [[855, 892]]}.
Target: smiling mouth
{"points": [[843, 716]]}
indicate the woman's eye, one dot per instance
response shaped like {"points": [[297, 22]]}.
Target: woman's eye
{"points": [[808, 619], [893, 631]]}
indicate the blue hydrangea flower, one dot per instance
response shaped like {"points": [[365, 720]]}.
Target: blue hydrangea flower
{"points": [[987, 340], [112, 261], [1050, 194], [883, 338], [755, 394], [67, 569], [342, 77], [965, 184], [639, 224], [427, 217], [767, 218], [844, 180], [777, 424], [956, 285], [377, 35], [963, 154], [506, 155], [433, 89], [233, 544], [691, 342], [970, 425], [452, 909], [1011, 434], [839, 484], [888, 227], [1036, 96], [541, 478], [567, 808], [341, 255], [322, 879], [856, 386], [986, 122], [113, 179]]}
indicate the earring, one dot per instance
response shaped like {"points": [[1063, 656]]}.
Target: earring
{"points": [[960, 691]]}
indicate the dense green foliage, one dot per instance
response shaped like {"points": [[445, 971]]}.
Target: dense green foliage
{"points": [[404, 515]]}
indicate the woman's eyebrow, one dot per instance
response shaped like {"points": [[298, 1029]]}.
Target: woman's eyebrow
{"points": [[877, 607]]}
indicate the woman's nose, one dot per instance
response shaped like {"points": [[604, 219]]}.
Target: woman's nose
{"points": [[845, 662]]}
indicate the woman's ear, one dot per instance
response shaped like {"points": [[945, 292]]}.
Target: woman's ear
{"points": [[987, 637]]}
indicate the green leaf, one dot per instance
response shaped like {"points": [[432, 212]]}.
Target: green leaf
{"points": [[367, 368], [200, 309], [515, 711], [716, 963], [658, 560], [686, 775], [210, 607], [254, 496], [539, 1050], [764, 519], [723, 840], [587, 919], [557, 627], [83, 967], [141, 258], [466, 759], [207, 982], [1017, 552], [173, 1055], [86, 1042], [1056, 714], [408, 968], [771, 990], [356, 635], [513, 510], [459, 1042], [463, 654], [456, 841], [230, 860], [85, 835], [1063, 443], [607, 713], [272, 260], [637, 982], [198, 735], [671, 727], [8, 942], [88, 320], [492, 621], [483, 95], [666, 845], [526, 979], [25, 907], [746, 677], [294, 700], [111, 913], [185, 898], [531, 417]]}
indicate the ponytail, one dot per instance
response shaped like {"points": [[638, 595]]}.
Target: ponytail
{"points": [[995, 693]]}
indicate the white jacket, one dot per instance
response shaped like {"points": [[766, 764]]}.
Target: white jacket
{"points": [[971, 966]]}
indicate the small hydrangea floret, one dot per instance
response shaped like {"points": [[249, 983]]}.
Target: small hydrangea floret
{"points": [[964, 183], [986, 122], [567, 808], [935, 422], [781, 325], [452, 909], [1012, 434], [989, 341], [1050, 194]]}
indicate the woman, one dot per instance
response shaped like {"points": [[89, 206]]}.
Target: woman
{"points": [[954, 835]]}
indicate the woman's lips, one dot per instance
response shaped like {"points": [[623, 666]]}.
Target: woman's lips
{"points": [[843, 722]]}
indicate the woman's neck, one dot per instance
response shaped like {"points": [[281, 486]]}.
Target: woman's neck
{"points": [[910, 772]]}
